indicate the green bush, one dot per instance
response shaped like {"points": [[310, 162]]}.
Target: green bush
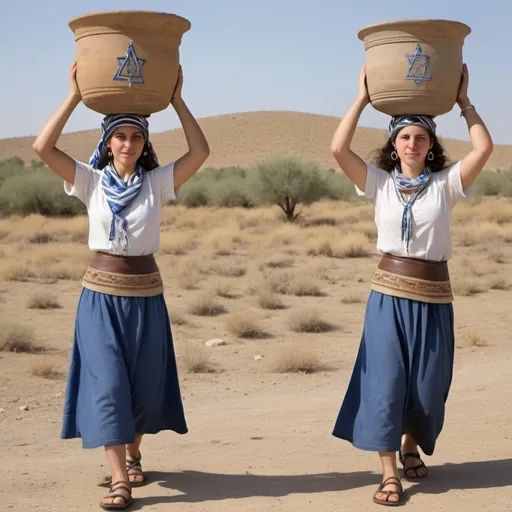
{"points": [[498, 183], [287, 180], [37, 191]]}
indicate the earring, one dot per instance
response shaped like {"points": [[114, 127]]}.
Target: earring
{"points": [[394, 155], [109, 154], [145, 153], [430, 156]]}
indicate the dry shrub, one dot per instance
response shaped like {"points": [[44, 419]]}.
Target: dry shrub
{"points": [[15, 271], [47, 369], [226, 240], [497, 212], [206, 305], [244, 325], [189, 270], [467, 286], [196, 359], [69, 270], [41, 300], [497, 256], [292, 358], [224, 289], [19, 338], [177, 243], [293, 283], [42, 238], [309, 320], [269, 300], [499, 283], [473, 339], [177, 317], [351, 299], [353, 245], [228, 270], [278, 263]]}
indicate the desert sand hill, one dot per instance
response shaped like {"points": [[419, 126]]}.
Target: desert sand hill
{"points": [[244, 138]]}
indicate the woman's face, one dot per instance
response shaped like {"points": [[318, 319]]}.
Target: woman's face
{"points": [[412, 144], [127, 144]]}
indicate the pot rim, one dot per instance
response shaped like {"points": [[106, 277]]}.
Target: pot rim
{"points": [[462, 28], [110, 17]]}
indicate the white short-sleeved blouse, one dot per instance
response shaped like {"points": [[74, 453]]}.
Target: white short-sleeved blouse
{"points": [[142, 214], [431, 213]]}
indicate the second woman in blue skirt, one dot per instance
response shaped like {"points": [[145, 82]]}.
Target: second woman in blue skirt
{"points": [[396, 397]]}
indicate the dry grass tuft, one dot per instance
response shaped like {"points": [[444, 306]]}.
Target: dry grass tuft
{"points": [[177, 317], [177, 243], [278, 263], [473, 339], [499, 283], [468, 286], [19, 338], [206, 305], [353, 245], [227, 269], [269, 300], [196, 360], [224, 289], [310, 321], [351, 299], [293, 358], [293, 283], [46, 369], [40, 300], [243, 325]]}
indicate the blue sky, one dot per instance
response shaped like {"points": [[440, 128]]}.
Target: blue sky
{"points": [[241, 55]]}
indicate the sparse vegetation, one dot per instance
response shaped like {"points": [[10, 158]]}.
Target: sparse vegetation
{"points": [[206, 305], [19, 338], [41, 300], [47, 369], [294, 358], [309, 320], [196, 359], [244, 325]]}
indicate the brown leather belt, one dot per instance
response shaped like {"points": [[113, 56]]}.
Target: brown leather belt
{"points": [[124, 264], [412, 278], [127, 276]]}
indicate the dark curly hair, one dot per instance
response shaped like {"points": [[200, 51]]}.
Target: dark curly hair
{"points": [[147, 162], [384, 161]]}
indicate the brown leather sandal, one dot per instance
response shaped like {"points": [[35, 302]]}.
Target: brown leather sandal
{"points": [[412, 455], [121, 484], [386, 502], [134, 469]]}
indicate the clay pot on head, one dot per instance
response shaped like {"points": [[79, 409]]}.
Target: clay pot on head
{"points": [[127, 61], [414, 66]]}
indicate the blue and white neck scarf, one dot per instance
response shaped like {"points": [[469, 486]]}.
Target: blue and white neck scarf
{"points": [[417, 186], [119, 195]]}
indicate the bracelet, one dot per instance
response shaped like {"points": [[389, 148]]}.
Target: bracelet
{"points": [[466, 108]]}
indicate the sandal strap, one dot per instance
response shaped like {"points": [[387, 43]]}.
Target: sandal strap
{"points": [[391, 480], [121, 484]]}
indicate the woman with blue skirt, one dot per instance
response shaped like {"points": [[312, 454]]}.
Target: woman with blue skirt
{"points": [[396, 397], [123, 381]]}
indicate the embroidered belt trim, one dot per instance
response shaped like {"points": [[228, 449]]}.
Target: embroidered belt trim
{"points": [[126, 285]]}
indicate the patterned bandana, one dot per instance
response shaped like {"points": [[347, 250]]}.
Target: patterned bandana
{"points": [[399, 122], [417, 186]]}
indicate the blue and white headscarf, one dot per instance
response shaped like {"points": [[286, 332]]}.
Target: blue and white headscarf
{"points": [[399, 122], [404, 184], [119, 193]]}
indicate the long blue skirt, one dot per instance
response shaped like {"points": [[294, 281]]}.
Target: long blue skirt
{"points": [[122, 379], [402, 375]]}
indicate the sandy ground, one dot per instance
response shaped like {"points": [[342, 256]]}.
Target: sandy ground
{"points": [[260, 440]]}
